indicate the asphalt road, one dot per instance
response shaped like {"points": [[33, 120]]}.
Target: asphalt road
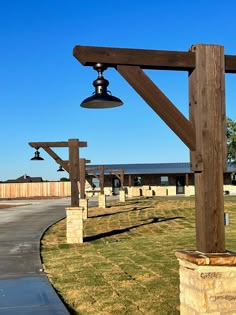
{"points": [[24, 288]]}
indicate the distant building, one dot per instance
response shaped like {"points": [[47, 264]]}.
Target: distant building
{"points": [[25, 179], [176, 177]]}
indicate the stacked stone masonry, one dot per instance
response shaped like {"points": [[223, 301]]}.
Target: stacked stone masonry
{"points": [[84, 204], [102, 201], [207, 283], [74, 225], [122, 196]]}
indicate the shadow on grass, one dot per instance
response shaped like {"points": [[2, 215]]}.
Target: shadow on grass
{"points": [[118, 212], [118, 204], [128, 229]]}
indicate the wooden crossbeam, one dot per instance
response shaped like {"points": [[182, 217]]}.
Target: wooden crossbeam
{"points": [[230, 64], [94, 168], [59, 144], [145, 59]]}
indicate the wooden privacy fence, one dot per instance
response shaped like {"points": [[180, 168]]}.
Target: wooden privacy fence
{"points": [[42, 189]]}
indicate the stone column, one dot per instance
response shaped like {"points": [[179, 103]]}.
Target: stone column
{"points": [[136, 191], [122, 195], [161, 191], [207, 283], [102, 201], [84, 204], [145, 190], [74, 225], [187, 191], [130, 194], [149, 193]]}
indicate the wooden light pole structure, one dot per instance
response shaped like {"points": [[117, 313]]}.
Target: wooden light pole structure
{"points": [[72, 166], [99, 176], [120, 175], [82, 173], [204, 133]]}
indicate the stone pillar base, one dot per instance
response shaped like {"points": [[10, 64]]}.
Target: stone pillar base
{"points": [[130, 195], [148, 193], [74, 225], [84, 204], [136, 192], [207, 283], [122, 196], [187, 191], [102, 201], [161, 191]]}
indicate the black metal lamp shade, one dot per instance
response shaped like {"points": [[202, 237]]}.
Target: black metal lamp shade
{"points": [[101, 98], [37, 156], [60, 169], [101, 101]]}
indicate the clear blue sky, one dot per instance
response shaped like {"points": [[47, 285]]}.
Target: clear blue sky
{"points": [[42, 84]]}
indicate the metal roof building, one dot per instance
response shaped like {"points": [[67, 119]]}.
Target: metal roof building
{"points": [[150, 168]]}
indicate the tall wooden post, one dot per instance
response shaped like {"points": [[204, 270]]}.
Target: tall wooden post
{"points": [[82, 163], [74, 170], [186, 180], [130, 181], [101, 178], [122, 179], [208, 161]]}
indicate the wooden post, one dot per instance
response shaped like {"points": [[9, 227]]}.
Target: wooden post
{"points": [[208, 161], [130, 180], [74, 170], [186, 180], [101, 178], [82, 177], [122, 179]]}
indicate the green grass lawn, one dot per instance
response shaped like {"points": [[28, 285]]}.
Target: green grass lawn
{"points": [[127, 263]]}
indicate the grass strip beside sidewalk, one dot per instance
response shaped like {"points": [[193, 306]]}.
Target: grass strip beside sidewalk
{"points": [[127, 263]]}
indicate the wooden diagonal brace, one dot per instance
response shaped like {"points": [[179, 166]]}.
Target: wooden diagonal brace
{"points": [[64, 164], [159, 103]]}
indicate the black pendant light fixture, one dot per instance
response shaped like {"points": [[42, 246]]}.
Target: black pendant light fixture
{"points": [[60, 169], [37, 156], [101, 98]]}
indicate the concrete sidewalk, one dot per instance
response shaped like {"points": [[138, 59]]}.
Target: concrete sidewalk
{"points": [[24, 287]]}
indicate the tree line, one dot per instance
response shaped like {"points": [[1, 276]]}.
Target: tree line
{"points": [[231, 140]]}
